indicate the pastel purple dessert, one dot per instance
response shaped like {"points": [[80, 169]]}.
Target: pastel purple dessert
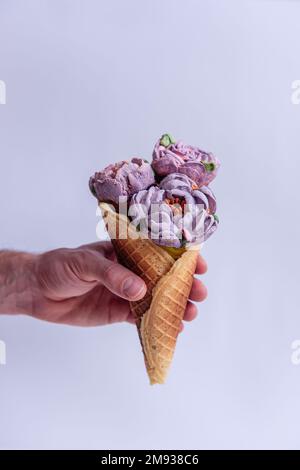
{"points": [[176, 157], [122, 179], [175, 213]]}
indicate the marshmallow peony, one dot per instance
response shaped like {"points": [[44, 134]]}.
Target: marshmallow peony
{"points": [[176, 157], [175, 213], [122, 179]]}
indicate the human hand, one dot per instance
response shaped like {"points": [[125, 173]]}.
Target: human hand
{"points": [[87, 287]]}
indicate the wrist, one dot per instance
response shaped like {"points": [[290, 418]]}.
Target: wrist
{"points": [[18, 282]]}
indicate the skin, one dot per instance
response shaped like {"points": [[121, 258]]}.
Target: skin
{"points": [[83, 286]]}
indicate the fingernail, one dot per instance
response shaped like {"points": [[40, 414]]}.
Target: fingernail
{"points": [[133, 288]]}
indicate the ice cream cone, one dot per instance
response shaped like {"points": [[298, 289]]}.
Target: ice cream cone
{"points": [[159, 314]]}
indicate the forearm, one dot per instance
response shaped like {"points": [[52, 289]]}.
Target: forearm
{"points": [[17, 282]]}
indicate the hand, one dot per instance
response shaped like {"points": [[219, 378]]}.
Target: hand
{"points": [[87, 287]]}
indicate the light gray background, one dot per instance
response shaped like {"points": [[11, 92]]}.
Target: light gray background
{"points": [[92, 82]]}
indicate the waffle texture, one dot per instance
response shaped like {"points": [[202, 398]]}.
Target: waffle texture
{"points": [[159, 314]]}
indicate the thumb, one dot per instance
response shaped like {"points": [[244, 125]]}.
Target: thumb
{"points": [[117, 279]]}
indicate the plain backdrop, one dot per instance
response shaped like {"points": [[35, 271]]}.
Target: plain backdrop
{"points": [[92, 82]]}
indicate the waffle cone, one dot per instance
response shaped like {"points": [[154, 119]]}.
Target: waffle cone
{"points": [[159, 314]]}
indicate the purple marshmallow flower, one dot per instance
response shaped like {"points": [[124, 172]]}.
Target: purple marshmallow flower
{"points": [[175, 213], [122, 180], [176, 157]]}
